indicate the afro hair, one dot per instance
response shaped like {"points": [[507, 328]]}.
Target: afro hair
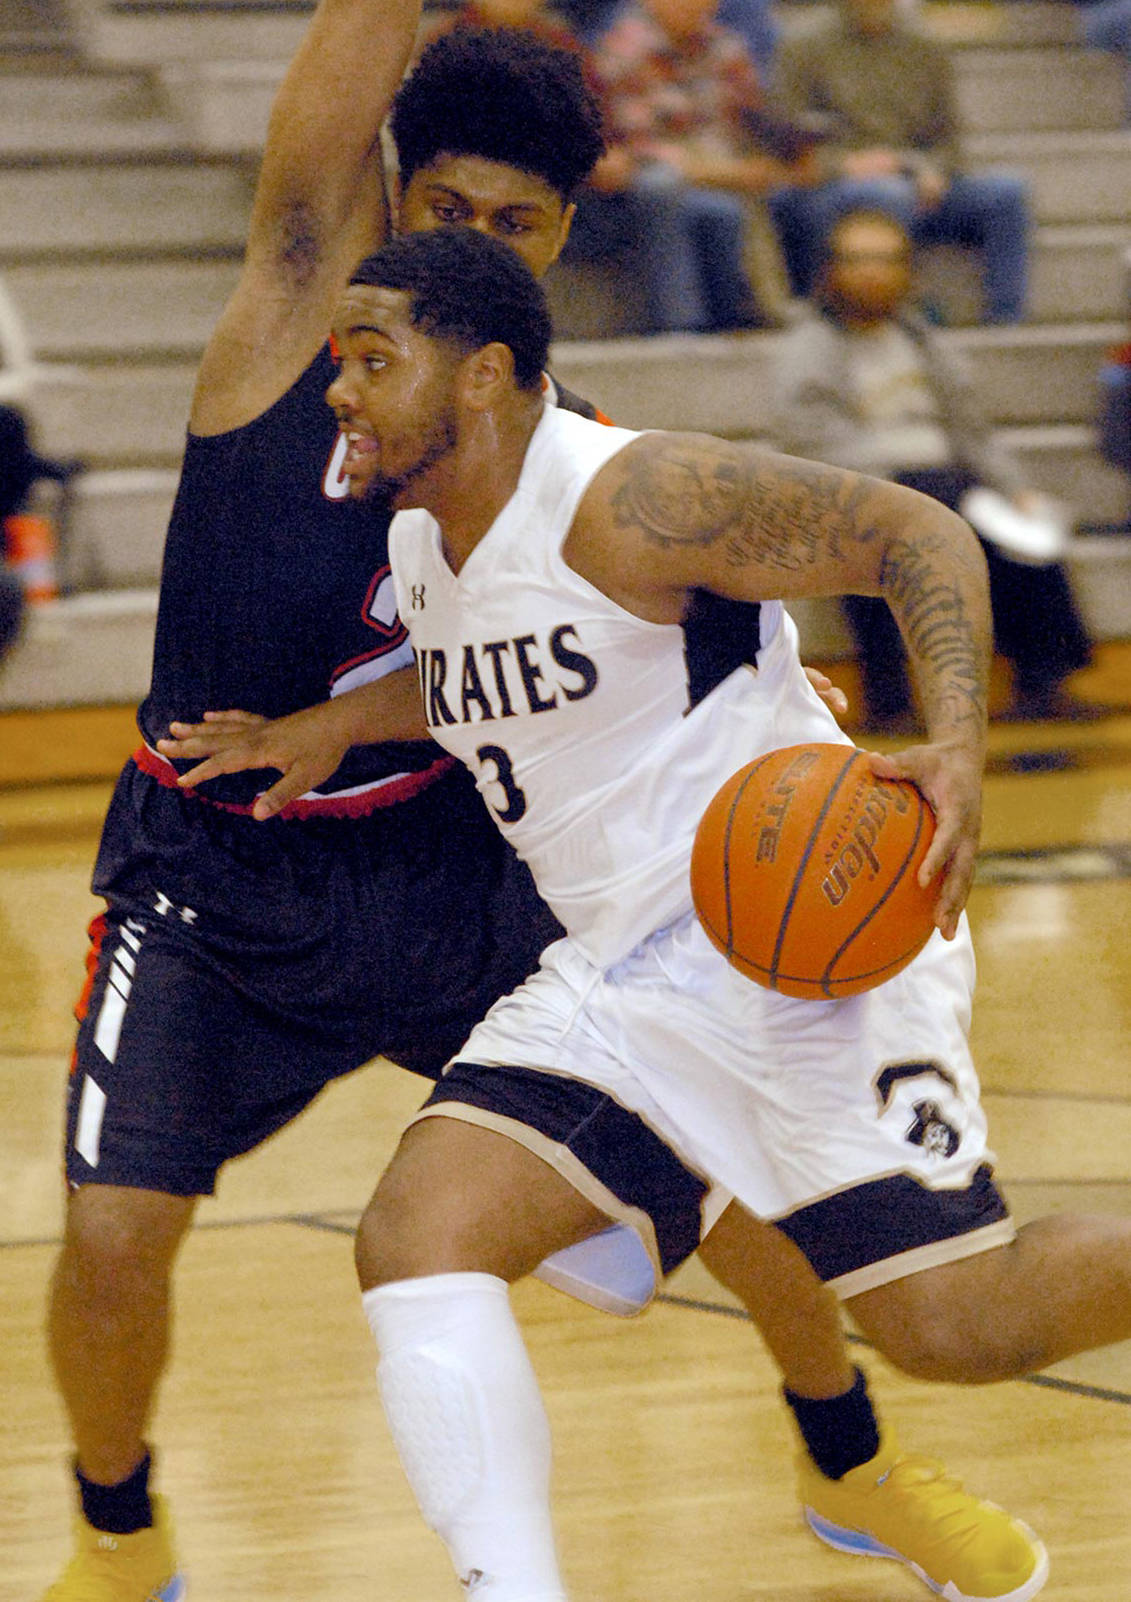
{"points": [[503, 94]]}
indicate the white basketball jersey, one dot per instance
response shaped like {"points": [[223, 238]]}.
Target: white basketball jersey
{"points": [[577, 717]]}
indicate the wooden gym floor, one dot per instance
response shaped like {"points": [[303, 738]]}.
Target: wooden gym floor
{"points": [[673, 1469]]}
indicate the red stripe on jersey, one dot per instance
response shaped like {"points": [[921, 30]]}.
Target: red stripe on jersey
{"points": [[348, 804], [96, 933]]}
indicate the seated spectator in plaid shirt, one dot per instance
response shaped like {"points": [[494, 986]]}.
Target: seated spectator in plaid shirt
{"points": [[693, 153]]}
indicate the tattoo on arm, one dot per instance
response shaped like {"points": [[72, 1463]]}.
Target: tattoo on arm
{"points": [[939, 630], [685, 493], [681, 494]]}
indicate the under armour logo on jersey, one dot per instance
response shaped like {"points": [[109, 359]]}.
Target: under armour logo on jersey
{"points": [[416, 595], [164, 906], [931, 1131]]}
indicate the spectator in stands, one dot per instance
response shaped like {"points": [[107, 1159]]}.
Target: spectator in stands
{"points": [[887, 92], [1115, 408], [753, 19], [865, 383], [11, 607], [694, 151], [28, 535], [1107, 26]]}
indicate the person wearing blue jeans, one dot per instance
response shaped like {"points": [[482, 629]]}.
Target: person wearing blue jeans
{"points": [[691, 159], [684, 243], [1107, 26], [987, 210], [885, 96]]}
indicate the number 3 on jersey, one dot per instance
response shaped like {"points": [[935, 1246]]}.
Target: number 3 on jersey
{"points": [[504, 776]]}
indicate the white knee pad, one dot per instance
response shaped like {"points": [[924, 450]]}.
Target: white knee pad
{"points": [[466, 1416]]}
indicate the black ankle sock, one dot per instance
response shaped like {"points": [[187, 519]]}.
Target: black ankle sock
{"points": [[840, 1433], [118, 1509]]}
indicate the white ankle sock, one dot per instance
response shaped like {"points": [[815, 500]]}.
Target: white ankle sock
{"points": [[466, 1415]]}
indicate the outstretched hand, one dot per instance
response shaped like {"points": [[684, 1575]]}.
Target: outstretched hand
{"points": [[951, 779], [305, 747]]}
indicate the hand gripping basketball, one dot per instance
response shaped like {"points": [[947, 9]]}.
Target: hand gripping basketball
{"points": [[804, 872]]}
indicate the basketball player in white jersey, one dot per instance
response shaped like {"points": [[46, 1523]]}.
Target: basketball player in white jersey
{"points": [[543, 565], [256, 496]]}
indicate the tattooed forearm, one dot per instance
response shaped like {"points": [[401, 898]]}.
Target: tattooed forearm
{"points": [[944, 644]]}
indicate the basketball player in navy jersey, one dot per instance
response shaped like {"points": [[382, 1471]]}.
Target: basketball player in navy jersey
{"points": [[240, 968]]}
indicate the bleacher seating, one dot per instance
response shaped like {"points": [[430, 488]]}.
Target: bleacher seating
{"points": [[128, 136]]}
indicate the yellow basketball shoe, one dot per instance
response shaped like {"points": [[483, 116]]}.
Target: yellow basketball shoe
{"points": [[903, 1506], [121, 1568]]}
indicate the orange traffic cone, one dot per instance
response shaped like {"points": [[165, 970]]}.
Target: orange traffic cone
{"points": [[29, 541]]}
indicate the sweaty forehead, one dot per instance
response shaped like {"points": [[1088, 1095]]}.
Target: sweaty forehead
{"points": [[372, 307]]}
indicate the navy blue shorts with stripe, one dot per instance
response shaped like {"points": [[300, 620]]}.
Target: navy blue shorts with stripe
{"points": [[240, 967]]}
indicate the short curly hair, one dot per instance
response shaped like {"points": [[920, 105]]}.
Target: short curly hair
{"points": [[468, 289], [503, 94]]}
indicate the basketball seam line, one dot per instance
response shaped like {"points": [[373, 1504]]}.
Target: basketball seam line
{"points": [[787, 910]]}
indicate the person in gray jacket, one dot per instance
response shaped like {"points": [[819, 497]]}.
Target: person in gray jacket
{"points": [[865, 383]]}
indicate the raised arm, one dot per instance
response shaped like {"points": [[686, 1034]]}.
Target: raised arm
{"points": [[675, 511], [319, 206]]}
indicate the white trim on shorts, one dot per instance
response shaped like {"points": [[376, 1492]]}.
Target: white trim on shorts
{"points": [[775, 1100]]}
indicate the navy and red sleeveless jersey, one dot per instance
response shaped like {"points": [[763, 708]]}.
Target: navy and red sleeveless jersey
{"points": [[267, 610]]}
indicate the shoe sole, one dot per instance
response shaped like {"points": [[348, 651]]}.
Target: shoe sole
{"points": [[858, 1544]]}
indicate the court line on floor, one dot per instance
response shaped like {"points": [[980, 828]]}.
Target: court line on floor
{"points": [[328, 1224], [1049, 1382]]}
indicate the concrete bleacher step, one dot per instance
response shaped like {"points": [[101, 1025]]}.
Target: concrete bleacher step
{"points": [[1061, 459], [723, 384], [116, 528], [119, 414], [1032, 89], [117, 523], [966, 24], [104, 309], [50, 112], [83, 650], [1073, 177], [77, 206], [1038, 375], [78, 309], [118, 520], [223, 105], [130, 412], [144, 32], [32, 28]]}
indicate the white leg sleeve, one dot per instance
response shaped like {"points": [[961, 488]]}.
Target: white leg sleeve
{"points": [[466, 1416]]}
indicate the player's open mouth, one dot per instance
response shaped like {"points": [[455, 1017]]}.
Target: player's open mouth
{"points": [[360, 452]]}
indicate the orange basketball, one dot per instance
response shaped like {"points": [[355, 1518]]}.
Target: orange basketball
{"points": [[804, 872]]}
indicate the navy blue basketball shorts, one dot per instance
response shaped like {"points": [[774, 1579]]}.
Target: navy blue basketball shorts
{"points": [[240, 967]]}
